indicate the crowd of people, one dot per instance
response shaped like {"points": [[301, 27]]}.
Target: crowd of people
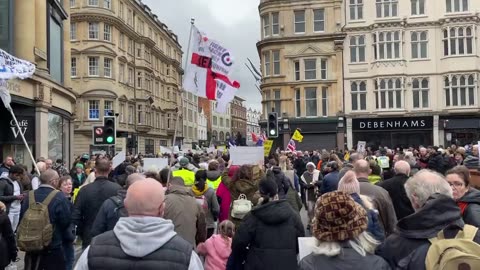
{"points": [[380, 209]]}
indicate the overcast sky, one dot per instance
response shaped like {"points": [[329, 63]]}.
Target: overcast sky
{"points": [[234, 23]]}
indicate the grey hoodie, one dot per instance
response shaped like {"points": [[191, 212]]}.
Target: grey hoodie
{"points": [[140, 236]]}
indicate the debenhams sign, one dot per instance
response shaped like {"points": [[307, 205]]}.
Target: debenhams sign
{"points": [[405, 123]]}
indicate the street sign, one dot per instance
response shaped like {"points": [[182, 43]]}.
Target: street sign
{"points": [[97, 135]]}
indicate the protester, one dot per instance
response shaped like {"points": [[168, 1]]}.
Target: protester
{"points": [[282, 181], [375, 173], [8, 246], [113, 208], [217, 248], [6, 165], [78, 177], [396, 189], [90, 199], [207, 199], [185, 213], [52, 256], [42, 167], [186, 171], [214, 175], [223, 194], [59, 166], [144, 239], [467, 198], [11, 193], [330, 181], [267, 238], [380, 196], [435, 210], [339, 228], [310, 181], [65, 186], [350, 185]]}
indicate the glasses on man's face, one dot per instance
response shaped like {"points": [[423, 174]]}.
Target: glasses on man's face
{"points": [[456, 184]]}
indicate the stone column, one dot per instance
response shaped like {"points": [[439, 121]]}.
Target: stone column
{"points": [[435, 130], [24, 33], [41, 131], [349, 134]]}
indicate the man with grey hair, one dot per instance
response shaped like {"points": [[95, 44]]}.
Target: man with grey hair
{"points": [[42, 167], [396, 189], [113, 208], [435, 210], [471, 161]]}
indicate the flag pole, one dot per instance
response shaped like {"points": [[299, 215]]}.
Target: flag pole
{"points": [[23, 138], [192, 22]]}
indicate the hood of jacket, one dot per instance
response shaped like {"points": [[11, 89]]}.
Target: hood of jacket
{"points": [[213, 175], [140, 236], [438, 212], [277, 170], [245, 186], [179, 191], [274, 212], [221, 246], [472, 196]]}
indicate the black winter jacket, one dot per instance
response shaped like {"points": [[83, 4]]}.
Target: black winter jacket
{"points": [[471, 215], [109, 214], [408, 246], [6, 192], [270, 232], [283, 183], [89, 200], [396, 190], [8, 247]]}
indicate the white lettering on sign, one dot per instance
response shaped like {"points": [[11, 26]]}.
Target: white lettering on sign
{"points": [[23, 127], [392, 124]]}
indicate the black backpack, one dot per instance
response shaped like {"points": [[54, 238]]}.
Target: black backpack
{"points": [[120, 210]]}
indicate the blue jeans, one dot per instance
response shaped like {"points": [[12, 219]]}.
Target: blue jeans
{"points": [[69, 254]]}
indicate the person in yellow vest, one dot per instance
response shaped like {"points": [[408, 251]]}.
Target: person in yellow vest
{"points": [[214, 175], [185, 171]]}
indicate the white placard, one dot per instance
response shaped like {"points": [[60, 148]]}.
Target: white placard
{"points": [[305, 246], [156, 164], [164, 150], [242, 155], [176, 149], [118, 159], [361, 146], [210, 150]]}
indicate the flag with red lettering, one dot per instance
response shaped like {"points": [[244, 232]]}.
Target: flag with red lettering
{"points": [[210, 62]]}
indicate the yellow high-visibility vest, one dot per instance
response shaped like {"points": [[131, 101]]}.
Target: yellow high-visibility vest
{"points": [[187, 176], [215, 183]]}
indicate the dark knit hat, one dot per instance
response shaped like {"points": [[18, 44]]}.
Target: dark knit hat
{"points": [[268, 187], [338, 218]]}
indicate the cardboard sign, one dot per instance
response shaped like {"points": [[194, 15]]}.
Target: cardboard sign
{"points": [[267, 146], [118, 159], [242, 155], [361, 146], [154, 164]]}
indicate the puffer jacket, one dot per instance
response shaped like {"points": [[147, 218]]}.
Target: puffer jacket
{"points": [[216, 251], [283, 182], [270, 231], [471, 213], [471, 162]]}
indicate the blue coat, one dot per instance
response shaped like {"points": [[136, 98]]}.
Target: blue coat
{"points": [[330, 182]]}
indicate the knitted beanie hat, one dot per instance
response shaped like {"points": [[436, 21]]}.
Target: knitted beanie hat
{"points": [[349, 183]]}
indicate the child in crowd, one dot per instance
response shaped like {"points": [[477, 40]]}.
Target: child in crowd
{"points": [[217, 248]]}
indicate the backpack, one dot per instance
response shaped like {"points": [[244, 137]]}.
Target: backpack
{"points": [[241, 207], [35, 231], [455, 253], [120, 210]]}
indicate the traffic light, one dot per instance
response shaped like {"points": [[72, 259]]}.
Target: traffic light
{"points": [[109, 130], [272, 125]]}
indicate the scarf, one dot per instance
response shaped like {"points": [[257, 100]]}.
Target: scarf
{"points": [[198, 192]]}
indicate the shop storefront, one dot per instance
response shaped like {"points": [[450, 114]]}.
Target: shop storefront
{"points": [[393, 132], [461, 130]]}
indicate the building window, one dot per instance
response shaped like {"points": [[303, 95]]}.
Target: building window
{"points": [[276, 62], [389, 93], [93, 66], [55, 46], [130, 114], [323, 69], [73, 67], [297, 70], [72, 3], [221, 122], [266, 25], [121, 40], [129, 17], [275, 24], [298, 108], [420, 93], [214, 120], [93, 110], [130, 76], [107, 4], [93, 2], [357, 49], [387, 8], [299, 21], [268, 103], [93, 30], [140, 114], [418, 7], [266, 61], [458, 40], [324, 101], [419, 44], [356, 10], [460, 90], [121, 73], [277, 102], [387, 45], [310, 101], [310, 69], [130, 46], [122, 113], [457, 6], [107, 67], [120, 10], [73, 31], [107, 32], [359, 96], [107, 107], [319, 20]]}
